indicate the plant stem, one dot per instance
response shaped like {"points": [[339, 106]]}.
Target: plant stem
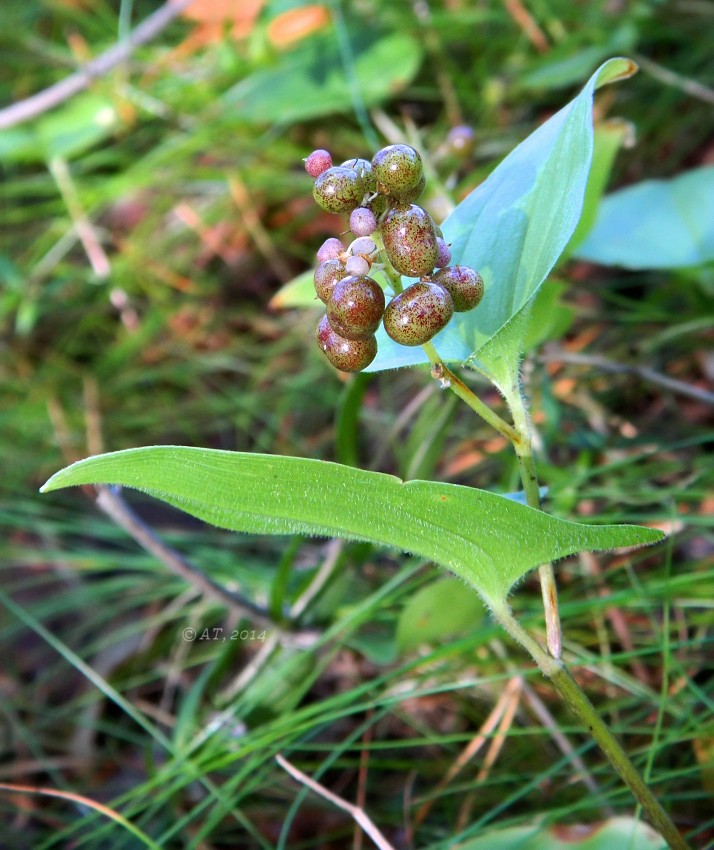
{"points": [[449, 379], [395, 279], [529, 478], [441, 371], [579, 704]]}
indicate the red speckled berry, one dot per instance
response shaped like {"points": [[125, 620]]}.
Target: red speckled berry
{"points": [[418, 313], [363, 167], [398, 168], [327, 275], [317, 162], [348, 355], [463, 284], [410, 195], [338, 189], [410, 240], [356, 307]]}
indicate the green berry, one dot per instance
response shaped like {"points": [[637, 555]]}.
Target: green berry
{"points": [[327, 275], [378, 204], [410, 195], [418, 313], [338, 189], [356, 307], [348, 355], [363, 167], [463, 284], [397, 168], [410, 240]]}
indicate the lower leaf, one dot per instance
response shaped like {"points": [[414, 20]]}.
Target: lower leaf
{"points": [[490, 541]]}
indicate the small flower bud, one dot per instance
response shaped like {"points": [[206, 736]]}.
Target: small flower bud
{"points": [[357, 266], [363, 222], [364, 246]]}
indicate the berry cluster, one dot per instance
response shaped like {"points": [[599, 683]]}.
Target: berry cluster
{"points": [[380, 195]]}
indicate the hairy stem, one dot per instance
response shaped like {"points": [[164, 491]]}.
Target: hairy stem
{"points": [[449, 379], [529, 478], [579, 704]]}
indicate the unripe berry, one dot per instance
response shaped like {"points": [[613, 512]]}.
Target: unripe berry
{"points": [[363, 222], [357, 265], [463, 284], [356, 307], [443, 258], [329, 250], [397, 168], [338, 189], [461, 140], [364, 246], [327, 275], [363, 167], [348, 355], [378, 204], [408, 196], [317, 162], [410, 240], [416, 315]]}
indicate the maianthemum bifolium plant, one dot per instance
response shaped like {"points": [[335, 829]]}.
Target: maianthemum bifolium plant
{"points": [[469, 299]]}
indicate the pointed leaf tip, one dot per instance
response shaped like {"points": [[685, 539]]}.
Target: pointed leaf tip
{"points": [[477, 535], [614, 70]]}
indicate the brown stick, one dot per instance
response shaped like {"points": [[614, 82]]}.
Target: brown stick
{"points": [[56, 94]]}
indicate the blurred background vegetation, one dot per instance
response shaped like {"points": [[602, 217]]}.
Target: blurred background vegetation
{"points": [[146, 226]]}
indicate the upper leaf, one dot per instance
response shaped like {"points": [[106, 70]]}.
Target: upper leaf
{"points": [[488, 540], [656, 224], [512, 229]]}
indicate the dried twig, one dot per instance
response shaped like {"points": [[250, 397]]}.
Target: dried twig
{"points": [[526, 22], [647, 374], [474, 746], [358, 814], [54, 95], [678, 81], [109, 500], [83, 227]]}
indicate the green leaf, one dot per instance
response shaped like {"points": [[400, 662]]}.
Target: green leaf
{"points": [[512, 229], [298, 292], [656, 224], [311, 80], [610, 136], [488, 540], [439, 610], [619, 832], [549, 317]]}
